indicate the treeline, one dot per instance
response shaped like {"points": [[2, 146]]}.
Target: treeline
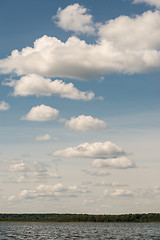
{"points": [[150, 217]]}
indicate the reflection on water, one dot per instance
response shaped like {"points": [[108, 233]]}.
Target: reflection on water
{"points": [[128, 231]]}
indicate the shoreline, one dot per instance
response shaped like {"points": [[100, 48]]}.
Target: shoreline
{"points": [[80, 218]]}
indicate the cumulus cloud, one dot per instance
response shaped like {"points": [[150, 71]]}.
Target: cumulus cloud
{"points": [[33, 84], [150, 2], [44, 137], [4, 106], [53, 191], [75, 18], [84, 123], [91, 150], [41, 113], [125, 45], [120, 162], [141, 33]]}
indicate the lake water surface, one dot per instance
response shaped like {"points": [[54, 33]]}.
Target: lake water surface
{"points": [[141, 231]]}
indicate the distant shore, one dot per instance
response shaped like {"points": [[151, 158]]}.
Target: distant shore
{"points": [[54, 217]]}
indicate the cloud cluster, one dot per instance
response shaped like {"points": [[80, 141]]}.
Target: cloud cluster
{"points": [[124, 45], [105, 154], [32, 170], [53, 191], [4, 106], [41, 113], [75, 18], [83, 123], [33, 84], [150, 2]]}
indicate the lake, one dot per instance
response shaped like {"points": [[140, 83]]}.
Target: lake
{"points": [[128, 231]]}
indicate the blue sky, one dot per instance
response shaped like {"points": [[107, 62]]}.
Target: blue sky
{"points": [[79, 106]]}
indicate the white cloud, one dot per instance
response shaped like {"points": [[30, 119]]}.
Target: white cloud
{"points": [[97, 172], [84, 123], [150, 2], [33, 84], [139, 34], [11, 198], [91, 150], [41, 113], [121, 193], [4, 106], [28, 166], [125, 45], [111, 185], [75, 18], [32, 170], [53, 191], [45, 137], [121, 162]]}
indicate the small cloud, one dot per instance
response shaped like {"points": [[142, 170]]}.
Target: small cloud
{"points": [[21, 179], [41, 113], [4, 106], [11, 198], [75, 18], [45, 137], [118, 193], [113, 184], [88, 201], [121, 193], [84, 123], [121, 163], [97, 172]]}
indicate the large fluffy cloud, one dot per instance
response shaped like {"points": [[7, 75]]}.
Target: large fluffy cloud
{"points": [[150, 2], [91, 150], [41, 113], [84, 123], [33, 84], [120, 162], [125, 45], [4, 106], [75, 18]]}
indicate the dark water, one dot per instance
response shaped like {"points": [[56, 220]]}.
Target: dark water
{"points": [[141, 231]]}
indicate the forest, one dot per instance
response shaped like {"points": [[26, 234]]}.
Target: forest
{"points": [[54, 217]]}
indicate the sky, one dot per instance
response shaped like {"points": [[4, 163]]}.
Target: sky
{"points": [[79, 106]]}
